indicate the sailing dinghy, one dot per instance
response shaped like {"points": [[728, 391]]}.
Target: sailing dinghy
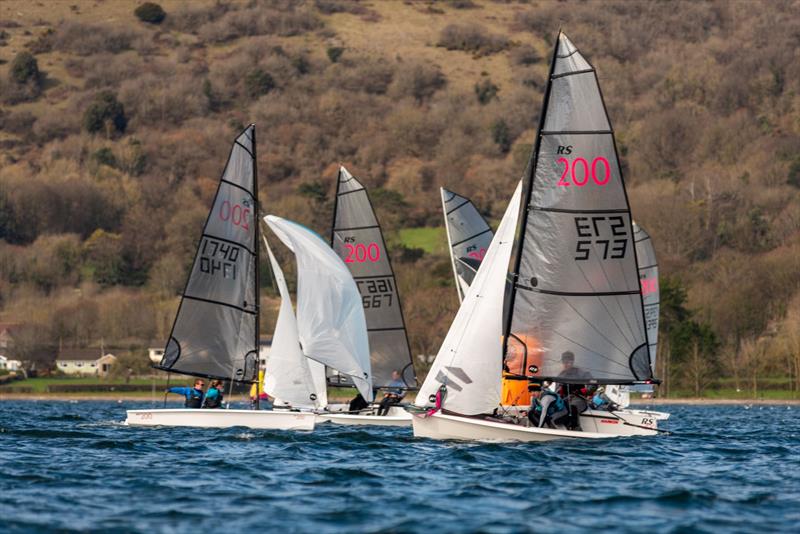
{"points": [[215, 333], [329, 329], [357, 238], [469, 236], [576, 294]]}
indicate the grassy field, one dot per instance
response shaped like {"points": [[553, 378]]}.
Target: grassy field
{"points": [[431, 240], [40, 385]]}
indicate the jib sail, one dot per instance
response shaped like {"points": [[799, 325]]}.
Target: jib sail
{"points": [[330, 317], [576, 296], [357, 239], [468, 235], [215, 333]]}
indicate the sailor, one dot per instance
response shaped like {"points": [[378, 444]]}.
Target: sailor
{"points": [[394, 394], [574, 393], [547, 407], [213, 398], [600, 401], [194, 395]]}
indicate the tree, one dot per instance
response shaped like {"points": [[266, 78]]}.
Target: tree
{"points": [[501, 135], [258, 83], [105, 113], [485, 90], [25, 69], [150, 13]]}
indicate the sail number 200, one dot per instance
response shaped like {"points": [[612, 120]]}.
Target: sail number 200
{"points": [[579, 170]]}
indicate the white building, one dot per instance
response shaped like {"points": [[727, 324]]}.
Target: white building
{"points": [[84, 362], [7, 364]]}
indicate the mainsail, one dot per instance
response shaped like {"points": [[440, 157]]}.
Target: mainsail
{"points": [[330, 317], [357, 239], [576, 295], [288, 374], [468, 236], [470, 359], [215, 333], [651, 292]]}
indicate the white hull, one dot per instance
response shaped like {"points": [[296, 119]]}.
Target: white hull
{"points": [[395, 417], [595, 425], [207, 418]]}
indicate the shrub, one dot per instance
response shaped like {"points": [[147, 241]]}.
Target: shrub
{"points": [[105, 113], [794, 173], [150, 13], [471, 38], [485, 90], [258, 83], [25, 69], [84, 39], [501, 135], [524, 55], [334, 53], [105, 156], [420, 80]]}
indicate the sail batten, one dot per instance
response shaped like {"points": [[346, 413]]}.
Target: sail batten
{"points": [[576, 256], [215, 332], [357, 238]]}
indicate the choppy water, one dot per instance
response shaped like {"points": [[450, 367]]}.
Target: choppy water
{"points": [[73, 466]]}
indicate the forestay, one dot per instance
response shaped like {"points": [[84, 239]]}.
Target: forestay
{"points": [[357, 239], [468, 236], [330, 317], [577, 286], [287, 374], [215, 330], [470, 360], [651, 292]]}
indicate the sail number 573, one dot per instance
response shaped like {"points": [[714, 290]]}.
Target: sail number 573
{"points": [[579, 171]]}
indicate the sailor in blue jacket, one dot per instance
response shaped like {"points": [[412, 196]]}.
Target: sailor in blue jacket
{"points": [[194, 395]]}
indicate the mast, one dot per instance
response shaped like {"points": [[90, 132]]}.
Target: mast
{"points": [[450, 245], [527, 185], [257, 249]]}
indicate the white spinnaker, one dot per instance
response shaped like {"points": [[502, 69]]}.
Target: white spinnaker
{"points": [[330, 314], [287, 376], [470, 360]]}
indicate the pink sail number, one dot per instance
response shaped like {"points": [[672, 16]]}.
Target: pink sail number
{"points": [[580, 170], [236, 214], [649, 286], [361, 253], [478, 255]]}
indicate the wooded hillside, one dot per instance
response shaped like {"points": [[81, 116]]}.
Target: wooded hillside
{"points": [[115, 126]]}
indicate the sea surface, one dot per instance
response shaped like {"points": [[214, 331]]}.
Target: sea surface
{"points": [[72, 466]]}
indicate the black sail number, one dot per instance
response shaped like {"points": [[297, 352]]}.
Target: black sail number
{"points": [[376, 293], [218, 258], [606, 235]]}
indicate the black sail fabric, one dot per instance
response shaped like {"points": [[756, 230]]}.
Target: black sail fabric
{"points": [[577, 297], [358, 240], [468, 235], [214, 333]]}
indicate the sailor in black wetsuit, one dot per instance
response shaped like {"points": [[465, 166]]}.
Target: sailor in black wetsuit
{"points": [[194, 395]]}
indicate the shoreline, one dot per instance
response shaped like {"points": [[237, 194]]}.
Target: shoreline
{"points": [[160, 399]]}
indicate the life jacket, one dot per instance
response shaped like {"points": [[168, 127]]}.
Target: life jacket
{"points": [[556, 407], [213, 402], [194, 399]]}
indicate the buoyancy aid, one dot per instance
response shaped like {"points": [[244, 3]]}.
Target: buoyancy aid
{"points": [[214, 401], [194, 399], [552, 404]]}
